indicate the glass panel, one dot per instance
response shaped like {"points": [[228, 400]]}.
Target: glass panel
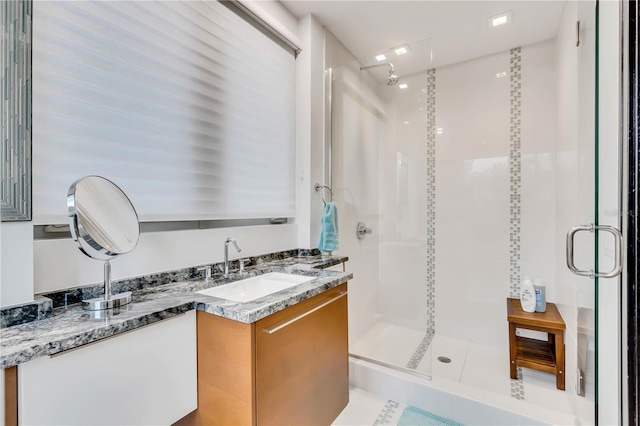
{"points": [[585, 300], [608, 193], [379, 179]]}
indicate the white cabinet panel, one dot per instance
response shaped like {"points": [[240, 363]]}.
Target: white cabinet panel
{"points": [[144, 377]]}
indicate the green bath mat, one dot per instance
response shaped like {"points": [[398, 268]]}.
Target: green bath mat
{"points": [[413, 416]]}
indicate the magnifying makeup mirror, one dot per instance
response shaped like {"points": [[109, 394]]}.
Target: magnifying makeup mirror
{"points": [[105, 225]]}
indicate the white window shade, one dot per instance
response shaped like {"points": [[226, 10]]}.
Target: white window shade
{"points": [[184, 105]]}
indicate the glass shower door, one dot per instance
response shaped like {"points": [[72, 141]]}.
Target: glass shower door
{"points": [[594, 242], [379, 183]]}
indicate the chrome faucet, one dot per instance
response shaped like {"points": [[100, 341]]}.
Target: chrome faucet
{"points": [[226, 254]]}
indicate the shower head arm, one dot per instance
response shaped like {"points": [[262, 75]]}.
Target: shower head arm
{"points": [[392, 79], [389, 64]]}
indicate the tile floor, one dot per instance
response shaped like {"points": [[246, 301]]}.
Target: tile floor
{"points": [[476, 371], [363, 409], [367, 409]]}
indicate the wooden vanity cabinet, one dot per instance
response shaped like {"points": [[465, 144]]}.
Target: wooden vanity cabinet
{"points": [[290, 368]]}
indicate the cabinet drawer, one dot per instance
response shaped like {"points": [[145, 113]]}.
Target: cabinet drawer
{"points": [[146, 376], [302, 362]]}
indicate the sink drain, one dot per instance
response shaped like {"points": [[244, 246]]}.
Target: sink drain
{"points": [[444, 359]]}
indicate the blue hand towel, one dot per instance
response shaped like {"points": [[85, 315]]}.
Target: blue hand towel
{"points": [[329, 233]]}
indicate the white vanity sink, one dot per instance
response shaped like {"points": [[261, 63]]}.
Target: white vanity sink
{"points": [[256, 287]]}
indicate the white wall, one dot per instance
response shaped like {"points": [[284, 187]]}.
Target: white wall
{"points": [[16, 263], [309, 131], [59, 264]]}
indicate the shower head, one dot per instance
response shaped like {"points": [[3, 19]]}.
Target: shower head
{"points": [[392, 79]]}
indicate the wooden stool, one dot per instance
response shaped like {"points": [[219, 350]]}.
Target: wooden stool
{"points": [[537, 354]]}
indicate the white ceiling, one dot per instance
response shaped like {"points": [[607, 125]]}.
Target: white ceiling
{"points": [[439, 32]]}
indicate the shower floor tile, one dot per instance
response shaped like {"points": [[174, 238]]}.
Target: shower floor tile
{"points": [[388, 343], [453, 349], [488, 369], [477, 371], [363, 409]]}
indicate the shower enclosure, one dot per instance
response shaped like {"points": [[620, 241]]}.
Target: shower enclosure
{"points": [[470, 174]]}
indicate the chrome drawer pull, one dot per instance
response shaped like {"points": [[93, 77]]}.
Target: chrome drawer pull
{"points": [[299, 317]]}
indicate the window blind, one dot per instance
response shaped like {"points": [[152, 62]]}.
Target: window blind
{"points": [[184, 105]]}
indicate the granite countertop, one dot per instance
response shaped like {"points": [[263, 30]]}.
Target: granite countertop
{"points": [[71, 327]]}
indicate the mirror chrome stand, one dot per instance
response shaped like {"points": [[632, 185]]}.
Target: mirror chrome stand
{"points": [[105, 225], [109, 301]]}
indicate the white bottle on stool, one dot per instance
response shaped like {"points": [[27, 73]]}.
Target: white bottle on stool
{"points": [[528, 296]]}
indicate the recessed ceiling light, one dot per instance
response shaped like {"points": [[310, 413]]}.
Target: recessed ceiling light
{"points": [[403, 86], [439, 131], [381, 57], [501, 19], [406, 122], [402, 50], [501, 74]]}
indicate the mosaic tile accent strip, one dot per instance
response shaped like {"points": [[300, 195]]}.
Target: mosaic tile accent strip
{"points": [[517, 386], [431, 202], [422, 348], [515, 171], [420, 351], [387, 413], [15, 95]]}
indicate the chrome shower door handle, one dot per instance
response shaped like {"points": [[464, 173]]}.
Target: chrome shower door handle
{"points": [[617, 236]]}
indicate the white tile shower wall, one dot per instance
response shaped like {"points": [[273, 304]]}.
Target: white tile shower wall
{"points": [[472, 186], [473, 193], [358, 129], [539, 135]]}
